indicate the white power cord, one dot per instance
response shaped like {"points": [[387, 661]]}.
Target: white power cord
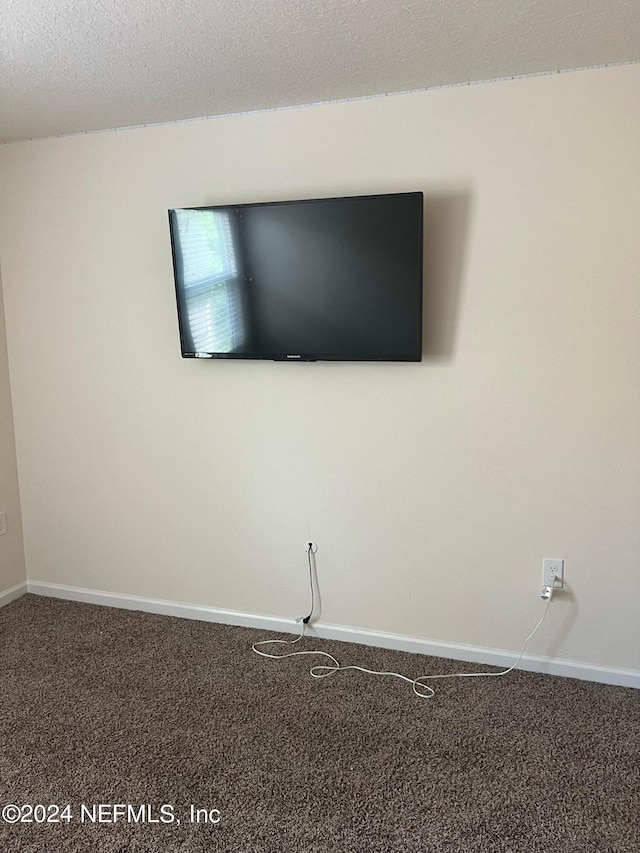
{"points": [[419, 687]]}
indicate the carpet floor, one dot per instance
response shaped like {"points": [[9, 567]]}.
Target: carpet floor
{"points": [[105, 706]]}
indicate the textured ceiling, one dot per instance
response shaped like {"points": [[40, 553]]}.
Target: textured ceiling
{"points": [[78, 65]]}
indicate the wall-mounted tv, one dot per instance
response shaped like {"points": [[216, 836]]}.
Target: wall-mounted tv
{"points": [[336, 279]]}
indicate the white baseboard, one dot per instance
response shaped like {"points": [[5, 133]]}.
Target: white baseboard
{"points": [[398, 642], [160, 606], [12, 593]]}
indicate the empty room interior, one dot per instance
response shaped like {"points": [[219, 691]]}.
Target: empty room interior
{"points": [[320, 426]]}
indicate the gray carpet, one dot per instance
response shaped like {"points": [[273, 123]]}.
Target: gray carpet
{"points": [[109, 706]]}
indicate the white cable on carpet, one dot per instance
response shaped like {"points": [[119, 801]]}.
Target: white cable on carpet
{"points": [[419, 687]]}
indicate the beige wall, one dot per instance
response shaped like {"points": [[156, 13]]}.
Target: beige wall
{"points": [[433, 490], [12, 567]]}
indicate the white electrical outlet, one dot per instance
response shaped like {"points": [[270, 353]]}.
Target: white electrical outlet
{"points": [[553, 572], [3, 523], [310, 545]]}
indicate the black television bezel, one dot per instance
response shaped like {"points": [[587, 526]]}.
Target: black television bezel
{"points": [[305, 357]]}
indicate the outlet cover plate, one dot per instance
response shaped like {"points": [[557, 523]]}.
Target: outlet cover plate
{"points": [[553, 572]]}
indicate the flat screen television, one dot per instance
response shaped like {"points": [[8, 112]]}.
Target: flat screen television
{"points": [[336, 279]]}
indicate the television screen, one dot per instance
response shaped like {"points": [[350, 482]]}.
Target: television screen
{"points": [[325, 279]]}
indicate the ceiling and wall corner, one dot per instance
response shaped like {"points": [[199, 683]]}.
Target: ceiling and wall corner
{"points": [[95, 64], [433, 490]]}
